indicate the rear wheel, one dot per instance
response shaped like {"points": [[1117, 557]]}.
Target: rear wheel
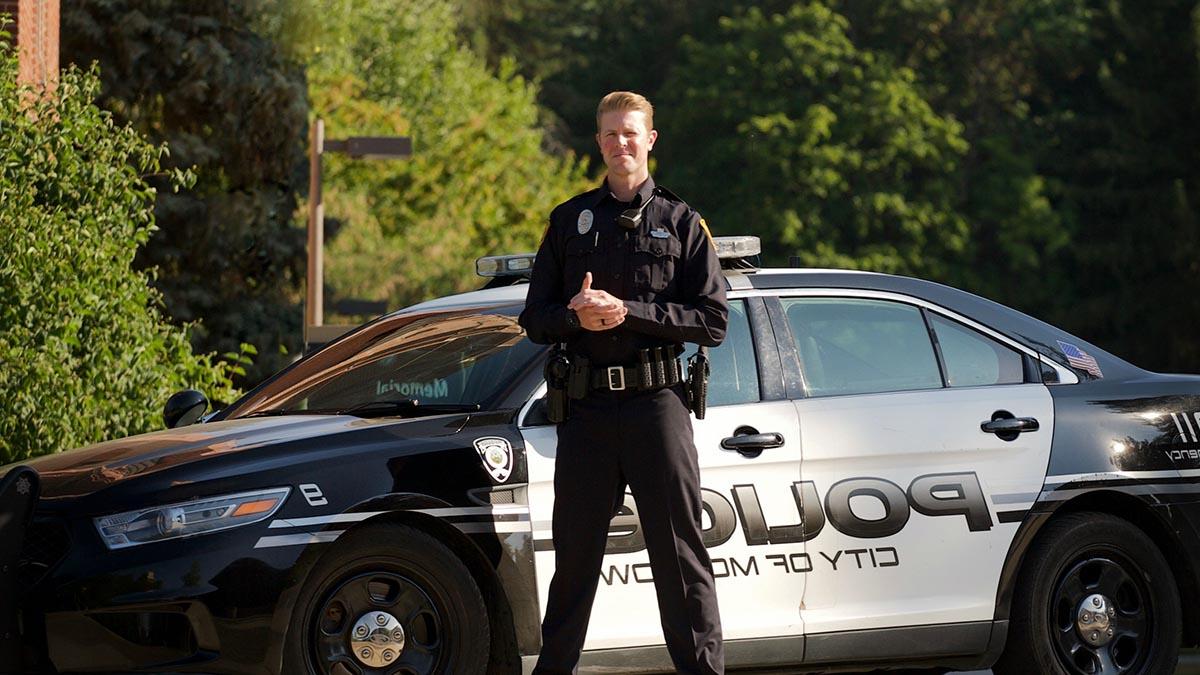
{"points": [[389, 599], [1095, 597]]}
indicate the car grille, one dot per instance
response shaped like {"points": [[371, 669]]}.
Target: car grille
{"points": [[46, 544]]}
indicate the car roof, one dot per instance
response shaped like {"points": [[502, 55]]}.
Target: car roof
{"points": [[1033, 333], [515, 293]]}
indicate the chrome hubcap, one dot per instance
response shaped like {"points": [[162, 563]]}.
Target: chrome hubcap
{"points": [[1093, 620], [377, 639]]}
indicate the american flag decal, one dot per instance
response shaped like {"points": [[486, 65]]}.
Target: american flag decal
{"points": [[1080, 359]]}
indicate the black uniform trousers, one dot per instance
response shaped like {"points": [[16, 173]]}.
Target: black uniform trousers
{"points": [[643, 439]]}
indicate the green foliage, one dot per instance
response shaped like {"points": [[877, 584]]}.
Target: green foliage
{"points": [[228, 104], [86, 354], [1122, 105], [1045, 149], [815, 144], [579, 50], [478, 182], [976, 62]]}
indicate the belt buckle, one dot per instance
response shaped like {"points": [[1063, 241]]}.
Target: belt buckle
{"points": [[616, 374]]}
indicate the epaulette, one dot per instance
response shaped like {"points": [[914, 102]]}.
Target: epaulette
{"points": [[667, 193], [589, 195]]}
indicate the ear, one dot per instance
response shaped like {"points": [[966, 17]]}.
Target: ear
{"points": [[598, 140], [653, 136]]}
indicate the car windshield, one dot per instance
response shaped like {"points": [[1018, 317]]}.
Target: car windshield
{"points": [[403, 365]]}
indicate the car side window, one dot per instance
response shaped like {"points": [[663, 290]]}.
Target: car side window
{"points": [[972, 359], [861, 346], [733, 367]]}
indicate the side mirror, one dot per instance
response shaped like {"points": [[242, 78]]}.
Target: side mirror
{"points": [[184, 408]]}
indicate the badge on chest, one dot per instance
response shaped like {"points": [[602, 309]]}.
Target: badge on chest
{"points": [[584, 224]]}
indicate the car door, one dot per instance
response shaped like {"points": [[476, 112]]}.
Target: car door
{"points": [[748, 503], [912, 503]]}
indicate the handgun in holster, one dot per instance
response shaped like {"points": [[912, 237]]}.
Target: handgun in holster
{"points": [[557, 373], [697, 382]]}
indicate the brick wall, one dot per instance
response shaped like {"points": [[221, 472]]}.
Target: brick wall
{"points": [[35, 27]]}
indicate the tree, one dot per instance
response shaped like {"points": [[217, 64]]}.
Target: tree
{"points": [[1121, 106], [478, 182], [87, 354], [814, 144], [579, 50], [976, 61], [226, 102]]}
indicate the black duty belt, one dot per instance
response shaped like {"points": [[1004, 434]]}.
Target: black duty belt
{"points": [[646, 377]]}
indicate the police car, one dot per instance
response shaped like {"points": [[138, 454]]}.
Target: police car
{"points": [[895, 474]]}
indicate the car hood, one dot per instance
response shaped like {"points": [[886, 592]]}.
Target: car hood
{"points": [[87, 470]]}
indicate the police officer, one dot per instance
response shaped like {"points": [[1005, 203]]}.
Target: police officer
{"points": [[625, 273]]}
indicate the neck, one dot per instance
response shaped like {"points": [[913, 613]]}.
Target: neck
{"points": [[625, 187]]}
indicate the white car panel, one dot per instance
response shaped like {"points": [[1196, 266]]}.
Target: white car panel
{"points": [[756, 599], [943, 571]]}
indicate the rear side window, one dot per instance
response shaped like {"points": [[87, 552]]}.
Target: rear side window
{"points": [[861, 346], [972, 359]]}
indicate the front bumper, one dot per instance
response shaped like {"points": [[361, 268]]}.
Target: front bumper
{"points": [[211, 603], [18, 497]]}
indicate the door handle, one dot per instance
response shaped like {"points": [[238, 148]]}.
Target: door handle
{"points": [[1007, 427], [748, 442]]}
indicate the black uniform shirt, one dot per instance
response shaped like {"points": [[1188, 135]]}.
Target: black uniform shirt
{"points": [[666, 271]]}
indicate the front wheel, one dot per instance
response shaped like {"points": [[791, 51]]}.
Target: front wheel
{"points": [[1095, 597], [388, 599]]}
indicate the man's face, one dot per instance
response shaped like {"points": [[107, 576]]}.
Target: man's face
{"points": [[625, 142]]}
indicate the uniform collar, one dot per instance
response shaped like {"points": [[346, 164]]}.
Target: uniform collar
{"points": [[643, 194]]}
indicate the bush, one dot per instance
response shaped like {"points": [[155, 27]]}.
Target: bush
{"points": [[85, 352]]}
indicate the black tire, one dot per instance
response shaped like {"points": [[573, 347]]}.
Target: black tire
{"points": [[1076, 557], [393, 570]]}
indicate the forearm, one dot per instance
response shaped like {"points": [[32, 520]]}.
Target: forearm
{"points": [[703, 323], [546, 322]]}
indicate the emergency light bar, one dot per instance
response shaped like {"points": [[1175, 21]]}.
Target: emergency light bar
{"points": [[737, 247], [521, 264]]}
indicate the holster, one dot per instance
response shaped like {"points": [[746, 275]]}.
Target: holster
{"points": [[697, 382], [557, 374]]}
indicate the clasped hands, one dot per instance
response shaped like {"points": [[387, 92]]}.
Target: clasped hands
{"points": [[598, 310]]}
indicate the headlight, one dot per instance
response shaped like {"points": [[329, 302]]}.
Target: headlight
{"points": [[173, 521]]}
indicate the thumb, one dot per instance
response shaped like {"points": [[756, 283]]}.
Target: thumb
{"points": [[587, 282]]}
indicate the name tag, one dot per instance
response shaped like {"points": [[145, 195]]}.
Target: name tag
{"points": [[660, 234]]}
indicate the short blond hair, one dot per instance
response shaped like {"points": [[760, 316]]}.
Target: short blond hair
{"points": [[621, 101]]}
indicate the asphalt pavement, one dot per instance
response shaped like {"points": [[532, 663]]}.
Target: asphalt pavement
{"points": [[1189, 664]]}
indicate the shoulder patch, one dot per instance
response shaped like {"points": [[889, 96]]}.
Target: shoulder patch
{"points": [[704, 226]]}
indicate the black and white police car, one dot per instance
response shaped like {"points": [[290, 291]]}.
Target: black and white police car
{"points": [[895, 474]]}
